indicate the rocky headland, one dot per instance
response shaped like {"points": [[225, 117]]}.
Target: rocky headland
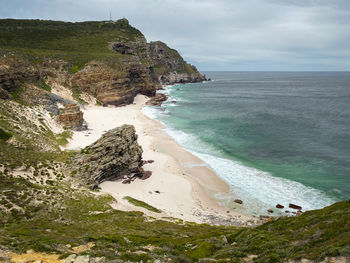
{"points": [[57, 201]]}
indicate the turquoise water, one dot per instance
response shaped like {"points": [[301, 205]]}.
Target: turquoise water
{"points": [[273, 137]]}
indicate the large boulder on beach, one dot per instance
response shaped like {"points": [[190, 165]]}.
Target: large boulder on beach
{"points": [[115, 155], [72, 117]]}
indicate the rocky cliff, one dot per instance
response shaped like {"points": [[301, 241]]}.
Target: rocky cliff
{"points": [[168, 67], [110, 61]]}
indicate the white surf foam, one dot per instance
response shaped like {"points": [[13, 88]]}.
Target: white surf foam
{"points": [[259, 190]]}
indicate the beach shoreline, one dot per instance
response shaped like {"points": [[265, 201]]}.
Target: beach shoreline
{"points": [[182, 186]]}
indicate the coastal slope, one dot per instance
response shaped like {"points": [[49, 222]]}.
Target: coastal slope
{"points": [[55, 207], [109, 60]]}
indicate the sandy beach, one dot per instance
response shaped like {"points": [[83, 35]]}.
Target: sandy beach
{"points": [[181, 185]]}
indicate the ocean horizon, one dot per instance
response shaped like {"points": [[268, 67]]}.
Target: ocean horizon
{"points": [[274, 137]]}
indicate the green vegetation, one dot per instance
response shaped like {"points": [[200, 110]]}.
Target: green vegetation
{"points": [[62, 138], [42, 84], [5, 135], [77, 43], [76, 93], [43, 212], [141, 204], [79, 217]]}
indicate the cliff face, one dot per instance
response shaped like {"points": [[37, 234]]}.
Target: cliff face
{"points": [[111, 61], [168, 67]]}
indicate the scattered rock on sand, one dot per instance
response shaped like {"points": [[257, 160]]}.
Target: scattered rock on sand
{"points": [[126, 181], [297, 207], [146, 162], [146, 175], [238, 201]]}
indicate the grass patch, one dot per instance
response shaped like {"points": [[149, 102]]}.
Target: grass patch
{"points": [[76, 93], [42, 84], [62, 138], [140, 203], [5, 135]]}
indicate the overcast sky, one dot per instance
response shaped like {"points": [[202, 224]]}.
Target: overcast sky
{"points": [[222, 34]]}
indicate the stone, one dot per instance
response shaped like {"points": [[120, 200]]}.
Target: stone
{"points": [[270, 211], [82, 259], [146, 175], [293, 206], [113, 156], [279, 206], [127, 181], [4, 94], [70, 258], [100, 260], [146, 162], [72, 117], [238, 201], [158, 99]]}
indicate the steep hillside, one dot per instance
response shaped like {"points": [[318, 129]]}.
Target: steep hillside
{"points": [[48, 213], [109, 60]]}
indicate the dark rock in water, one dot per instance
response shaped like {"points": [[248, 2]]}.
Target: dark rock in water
{"points": [[72, 117], [238, 201], [157, 100], [279, 206], [270, 211], [287, 211], [113, 156], [297, 207]]}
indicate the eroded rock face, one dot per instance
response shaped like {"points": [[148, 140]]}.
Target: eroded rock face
{"points": [[14, 73], [168, 67], [115, 155], [115, 86], [72, 117]]}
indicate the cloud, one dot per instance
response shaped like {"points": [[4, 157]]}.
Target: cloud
{"points": [[223, 34]]}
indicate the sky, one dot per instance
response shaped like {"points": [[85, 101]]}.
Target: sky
{"points": [[239, 35]]}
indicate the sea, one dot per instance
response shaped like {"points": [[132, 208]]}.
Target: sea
{"points": [[273, 137]]}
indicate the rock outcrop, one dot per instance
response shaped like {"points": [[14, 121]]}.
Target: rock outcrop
{"points": [[72, 117], [115, 86], [115, 155], [114, 69], [158, 99], [168, 67]]}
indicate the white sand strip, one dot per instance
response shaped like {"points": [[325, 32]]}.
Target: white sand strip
{"points": [[184, 193]]}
